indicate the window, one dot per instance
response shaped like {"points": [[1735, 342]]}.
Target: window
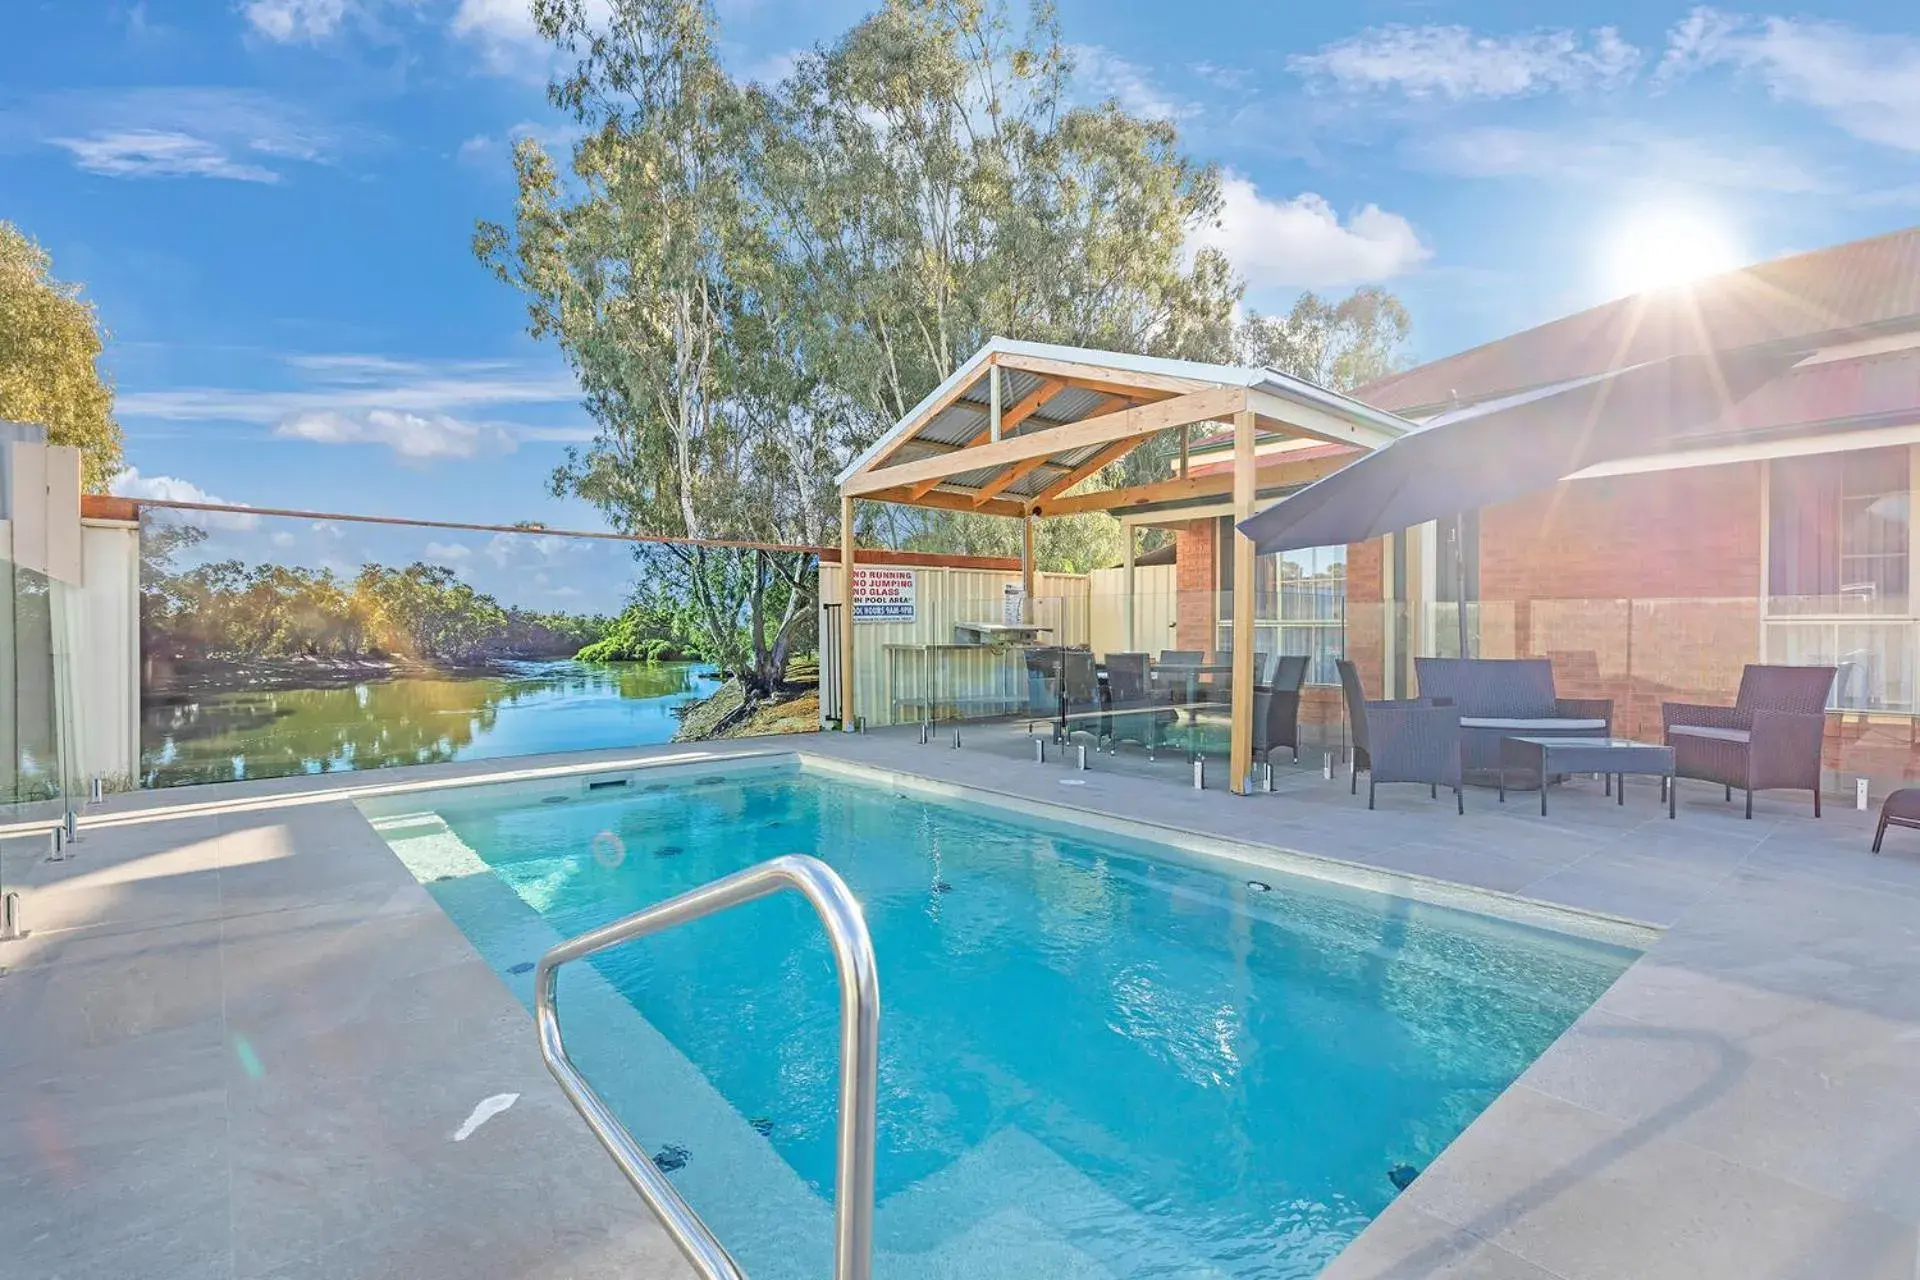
{"points": [[1300, 603], [1839, 573], [1840, 529]]}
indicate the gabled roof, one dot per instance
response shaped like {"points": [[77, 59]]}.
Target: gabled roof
{"points": [[1046, 386], [1848, 292]]}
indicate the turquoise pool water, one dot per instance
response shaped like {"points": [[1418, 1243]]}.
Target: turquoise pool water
{"points": [[1097, 1058]]}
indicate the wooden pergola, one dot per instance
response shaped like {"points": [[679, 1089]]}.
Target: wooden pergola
{"points": [[1019, 427]]}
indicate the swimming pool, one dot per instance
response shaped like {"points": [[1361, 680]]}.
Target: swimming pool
{"points": [[1099, 1057]]}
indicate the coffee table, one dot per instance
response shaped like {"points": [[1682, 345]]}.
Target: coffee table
{"points": [[1614, 757]]}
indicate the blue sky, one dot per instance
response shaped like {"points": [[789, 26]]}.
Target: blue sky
{"points": [[271, 200]]}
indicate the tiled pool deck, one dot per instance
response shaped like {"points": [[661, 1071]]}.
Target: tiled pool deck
{"points": [[240, 1039]]}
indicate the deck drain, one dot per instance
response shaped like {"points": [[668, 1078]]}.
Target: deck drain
{"points": [[525, 966], [1259, 886], [670, 1158], [762, 1125], [1402, 1176]]}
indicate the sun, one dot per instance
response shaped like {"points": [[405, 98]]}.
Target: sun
{"points": [[1659, 248]]}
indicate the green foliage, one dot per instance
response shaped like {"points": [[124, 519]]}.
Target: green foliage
{"points": [[1342, 345], [1068, 544], [647, 631], [231, 611], [50, 343], [753, 283]]}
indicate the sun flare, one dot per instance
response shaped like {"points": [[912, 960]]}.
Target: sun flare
{"points": [[1660, 248]]}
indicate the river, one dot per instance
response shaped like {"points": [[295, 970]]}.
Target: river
{"points": [[221, 735]]}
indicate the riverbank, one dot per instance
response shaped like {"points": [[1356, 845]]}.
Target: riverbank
{"points": [[724, 714], [224, 734], [167, 677]]}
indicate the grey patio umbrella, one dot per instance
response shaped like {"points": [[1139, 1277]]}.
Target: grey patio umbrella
{"points": [[1489, 453]]}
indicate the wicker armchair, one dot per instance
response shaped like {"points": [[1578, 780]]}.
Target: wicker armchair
{"points": [[1276, 707], [1414, 740], [1769, 738]]}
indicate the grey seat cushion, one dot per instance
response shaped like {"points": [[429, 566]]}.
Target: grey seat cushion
{"points": [[1707, 731], [1551, 724]]}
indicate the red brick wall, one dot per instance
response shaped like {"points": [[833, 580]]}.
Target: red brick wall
{"points": [[1195, 576], [1641, 588], [1366, 613], [1688, 534]]}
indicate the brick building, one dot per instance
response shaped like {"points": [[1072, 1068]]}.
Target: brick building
{"points": [[1783, 531]]}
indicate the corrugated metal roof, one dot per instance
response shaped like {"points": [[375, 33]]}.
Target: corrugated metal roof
{"points": [[922, 433], [1865, 390], [1863, 287]]}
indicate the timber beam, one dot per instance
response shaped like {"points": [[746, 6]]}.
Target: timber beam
{"points": [[1271, 474], [1196, 406]]}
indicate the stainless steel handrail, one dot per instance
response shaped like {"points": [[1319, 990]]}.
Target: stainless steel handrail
{"points": [[846, 928]]}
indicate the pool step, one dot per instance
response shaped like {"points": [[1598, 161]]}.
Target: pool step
{"points": [[1011, 1208], [428, 847]]}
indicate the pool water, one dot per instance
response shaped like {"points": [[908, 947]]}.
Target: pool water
{"points": [[1097, 1058]]}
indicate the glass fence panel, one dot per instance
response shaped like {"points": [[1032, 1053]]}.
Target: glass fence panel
{"points": [[31, 774], [276, 645]]}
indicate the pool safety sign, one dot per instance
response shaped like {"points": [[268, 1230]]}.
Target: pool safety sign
{"points": [[885, 595], [1013, 604]]}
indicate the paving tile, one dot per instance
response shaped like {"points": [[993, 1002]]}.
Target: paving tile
{"points": [[1631, 885], [99, 989], [1591, 1198], [144, 878], [1405, 1244], [134, 1193], [1487, 868], [321, 1158], [1845, 1139]]}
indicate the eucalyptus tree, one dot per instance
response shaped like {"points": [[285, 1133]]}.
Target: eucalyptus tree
{"points": [[648, 264], [1342, 345], [929, 178]]}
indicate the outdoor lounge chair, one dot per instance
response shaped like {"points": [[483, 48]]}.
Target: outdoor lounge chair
{"points": [[1081, 704], [1503, 698], [1414, 740], [1276, 705], [1769, 738], [1043, 685], [1131, 712]]}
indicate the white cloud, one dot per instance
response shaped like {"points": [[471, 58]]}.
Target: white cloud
{"points": [[1232, 79], [1605, 152], [149, 153], [283, 539], [295, 20], [413, 436], [131, 484], [527, 549], [1869, 85], [503, 33], [1301, 243], [350, 383], [1101, 75], [1452, 62], [233, 134], [488, 149], [773, 68], [448, 553]]}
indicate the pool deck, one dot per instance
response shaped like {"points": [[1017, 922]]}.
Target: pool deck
{"points": [[241, 1039]]}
